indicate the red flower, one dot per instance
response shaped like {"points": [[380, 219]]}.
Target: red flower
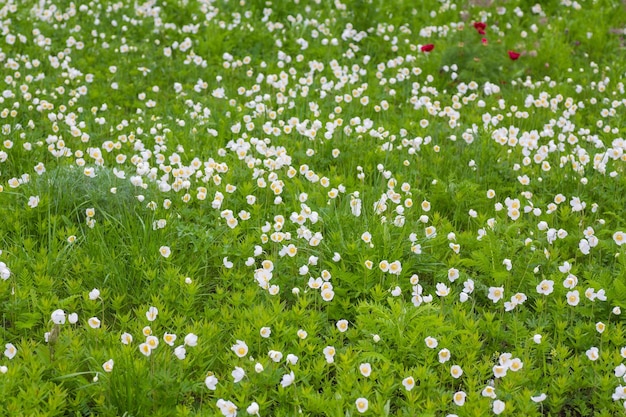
{"points": [[484, 41], [480, 27], [513, 55], [428, 47]]}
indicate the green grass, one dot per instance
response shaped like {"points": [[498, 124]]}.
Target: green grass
{"points": [[134, 133]]}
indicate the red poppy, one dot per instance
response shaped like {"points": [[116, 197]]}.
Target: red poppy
{"points": [[428, 47], [513, 55], [480, 27]]}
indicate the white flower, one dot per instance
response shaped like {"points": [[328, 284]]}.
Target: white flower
{"points": [[489, 391], [456, 371], [498, 407], [539, 398], [33, 201], [4, 369], [240, 348], [169, 338], [5, 272], [459, 398], [152, 313], [165, 251], [545, 287], [10, 350], [94, 322], [211, 382], [275, 355], [180, 352], [58, 316], [287, 379], [108, 365], [238, 374], [253, 409], [227, 264], [191, 340], [362, 405], [72, 318], [94, 294], [292, 359], [495, 294], [342, 325], [265, 332], [431, 342], [227, 408], [409, 383], [258, 368], [593, 353], [537, 338], [365, 369]]}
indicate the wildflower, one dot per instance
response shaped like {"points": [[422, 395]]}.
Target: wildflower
{"points": [[180, 352], [329, 354], [228, 408], [127, 338], [253, 409], [459, 398], [498, 407], [287, 379], [513, 55], [152, 313], [593, 353], [10, 350], [108, 365], [94, 294], [145, 349], [495, 294], [147, 331], [480, 27], [365, 369], [240, 348], [409, 383], [499, 371], [442, 289], [4, 369], [539, 398], [537, 338], [165, 251], [619, 238], [489, 391], [545, 287], [191, 340], [238, 374], [362, 405], [573, 298], [58, 317], [516, 364], [292, 359], [94, 323], [456, 371], [265, 332], [152, 342], [275, 355], [425, 48], [444, 355], [169, 339], [342, 325], [33, 201], [453, 274], [431, 342], [211, 382]]}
